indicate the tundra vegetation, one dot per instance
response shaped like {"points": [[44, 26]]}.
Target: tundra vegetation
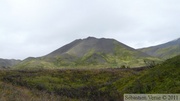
{"points": [[89, 84]]}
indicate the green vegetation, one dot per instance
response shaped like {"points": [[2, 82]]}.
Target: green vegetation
{"points": [[95, 61], [33, 64], [163, 78], [10, 91], [72, 83], [89, 84]]}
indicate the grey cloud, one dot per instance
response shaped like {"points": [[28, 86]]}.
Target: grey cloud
{"points": [[37, 27]]}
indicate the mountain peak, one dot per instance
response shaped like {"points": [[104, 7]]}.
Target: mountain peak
{"points": [[81, 47], [90, 37], [94, 38], [96, 50]]}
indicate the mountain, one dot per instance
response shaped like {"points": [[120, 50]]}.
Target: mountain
{"points": [[7, 63], [90, 52], [164, 51]]}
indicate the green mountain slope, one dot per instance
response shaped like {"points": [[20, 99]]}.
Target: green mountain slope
{"points": [[164, 51], [163, 78], [90, 52]]}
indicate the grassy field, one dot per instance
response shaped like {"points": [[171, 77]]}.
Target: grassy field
{"points": [[89, 84]]}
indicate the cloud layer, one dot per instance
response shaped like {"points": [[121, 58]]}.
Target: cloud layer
{"points": [[37, 27]]}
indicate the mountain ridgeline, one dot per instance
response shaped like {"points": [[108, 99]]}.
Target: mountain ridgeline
{"points": [[7, 63], [164, 51], [90, 52]]}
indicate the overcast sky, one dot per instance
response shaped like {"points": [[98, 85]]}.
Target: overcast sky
{"points": [[38, 27]]}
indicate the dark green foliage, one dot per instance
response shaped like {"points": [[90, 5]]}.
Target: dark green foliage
{"points": [[163, 78], [94, 84], [10, 90]]}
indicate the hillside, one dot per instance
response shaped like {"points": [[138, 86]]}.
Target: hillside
{"points": [[164, 51], [163, 79], [7, 63], [90, 52], [93, 84]]}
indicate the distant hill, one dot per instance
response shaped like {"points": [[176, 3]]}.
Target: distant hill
{"points": [[90, 52], [7, 63], [164, 51]]}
